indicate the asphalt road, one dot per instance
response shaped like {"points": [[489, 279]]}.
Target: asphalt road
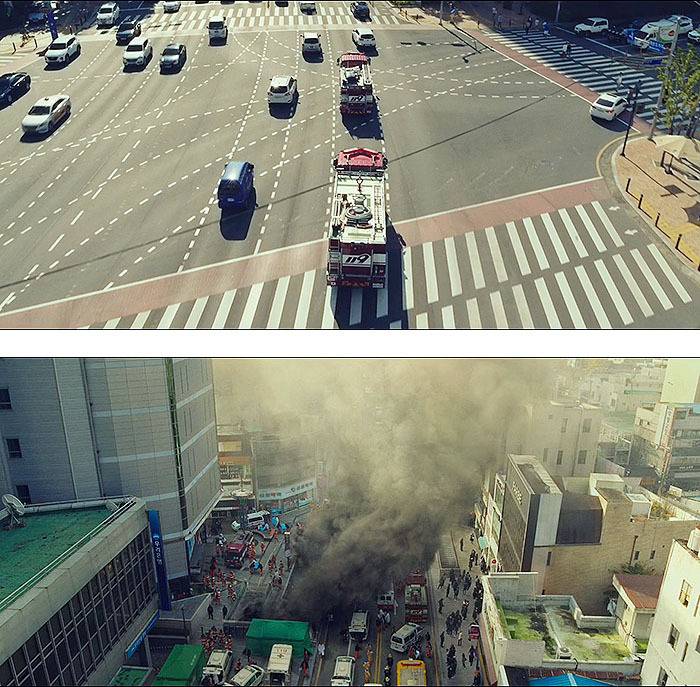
{"points": [[123, 191]]}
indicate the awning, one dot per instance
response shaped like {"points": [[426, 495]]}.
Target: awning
{"points": [[483, 543], [567, 679]]}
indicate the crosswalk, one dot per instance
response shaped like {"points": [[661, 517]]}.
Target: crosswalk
{"points": [[569, 269], [597, 72], [192, 19]]}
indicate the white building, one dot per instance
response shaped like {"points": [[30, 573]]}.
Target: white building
{"points": [[622, 388], [682, 381], [673, 653]]}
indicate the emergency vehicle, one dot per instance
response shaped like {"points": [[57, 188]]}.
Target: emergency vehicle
{"points": [[411, 673], [357, 254], [416, 598], [356, 89]]}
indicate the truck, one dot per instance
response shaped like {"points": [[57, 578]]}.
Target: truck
{"points": [[356, 89], [235, 554], [411, 673], [183, 667], [662, 31], [416, 598], [357, 240]]}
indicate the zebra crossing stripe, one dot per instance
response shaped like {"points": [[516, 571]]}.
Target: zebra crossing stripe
{"points": [[633, 286], [430, 273], [140, 320], [590, 227], [523, 309], [448, 317], [473, 314], [535, 243], [407, 284], [573, 234], [547, 304], [355, 307], [112, 324], [422, 320], [498, 310], [651, 279], [168, 316], [453, 267], [329, 304], [670, 275], [275, 317], [223, 310], [501, 273], [607, 224], [251, 306], [196, 314], [523, 264], [593, 299], [307, 286], [554, 238], [473, 253], [613, 291], [570, 301]]}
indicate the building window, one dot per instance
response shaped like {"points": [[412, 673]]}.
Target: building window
{"points": [[686, 591], [564, 422], [14, 450], [663, 678], [549, 557], [685, 652], [5, 402], [636, 555], [652, 554], [23, 493], [586, 428], [545, 451], [673, 636], [560, 457], [582, 457]]}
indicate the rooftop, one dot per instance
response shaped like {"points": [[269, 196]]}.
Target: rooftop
{"points": [[27, 551], [642, 590], [622, 422]]}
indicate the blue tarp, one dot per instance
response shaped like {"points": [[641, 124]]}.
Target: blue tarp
{"points": [[566, 679]]}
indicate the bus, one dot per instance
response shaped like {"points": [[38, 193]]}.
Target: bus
{"points": [[411, 673]]}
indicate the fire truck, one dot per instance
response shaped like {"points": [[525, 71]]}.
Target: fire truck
{"points": [[356, 89], [357, 240], [416, 598]]}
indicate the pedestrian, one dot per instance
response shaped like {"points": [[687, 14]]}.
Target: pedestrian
{"points": [[477, 678], [464, 660], [461, 544], [441, 584], [459, 638], [456, 590], [441, 603], [494, 13], [358, 648], [447, 593], [619, 81], [499, 21], [210, 612], [390, 660], [528, 26], [471, 536], [224, 612], [442, 640], [321, 649], [537, 24]]}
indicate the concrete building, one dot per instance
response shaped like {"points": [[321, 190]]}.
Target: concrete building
{"points": [[564, 436], [673, 653], [77, 429], [667, 437], [593, 526], [635, 608], [78, 592], [682, 381], [525, 635]]}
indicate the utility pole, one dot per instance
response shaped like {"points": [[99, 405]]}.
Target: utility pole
{"points": [[441, 7], [659, 100], [631, 118]]}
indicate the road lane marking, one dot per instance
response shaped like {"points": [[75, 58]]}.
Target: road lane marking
{"points": [[607, 224], [501, 273], [112, 324], [593, 299], [355, 307], [77, 217], [329, 304], [573, 234], [56, 242], [448, 317], [535, 243], [546, 300], [168, 316], [554, 238], [523, 308], [498, 310], [473, 253], [224, 309], [653, 281], [523, 264], [633, 286], [196, 313], [407, 284], [570, 301], [670, 275], [473, 314], [382, 302], [422, 320], [307, 286], [590, 227], [612, 289], [453, 267], [430, 273], [251, 306], [140, 320]]}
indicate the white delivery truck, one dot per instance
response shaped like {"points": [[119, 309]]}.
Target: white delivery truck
{"points": [[279, 667], [663, 31]]}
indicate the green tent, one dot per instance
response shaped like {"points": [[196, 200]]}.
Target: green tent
{"points": [[184, 666], [262, 634]]}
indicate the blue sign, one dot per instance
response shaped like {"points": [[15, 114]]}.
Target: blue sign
{"points": [[453, 10], [657, 47], [159, 558], [53, 26], [134, 646], [653, 61]]}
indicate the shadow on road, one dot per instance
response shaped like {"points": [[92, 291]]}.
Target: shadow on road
{"points": [[359, 126]]}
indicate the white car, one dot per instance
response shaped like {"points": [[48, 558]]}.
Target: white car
{"points": [[364, 38], [171, 6], [685, 24], [608, 106], [592, 25], [282, 91], [311, 43], [62, 50], [307, 7], [46, 114], [218, 28], [138, 53], [694, 36], [107, 15]]}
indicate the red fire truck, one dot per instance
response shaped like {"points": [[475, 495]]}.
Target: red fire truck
{"points": [[357, 240], [235, 554], [356, 89], [416, 598]]}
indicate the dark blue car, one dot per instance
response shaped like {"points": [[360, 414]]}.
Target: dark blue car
{"points": [[236, 185]]}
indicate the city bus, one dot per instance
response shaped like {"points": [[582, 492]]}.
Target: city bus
{"points": [[411, 673]]}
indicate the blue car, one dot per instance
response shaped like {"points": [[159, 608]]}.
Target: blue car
{"points": [[236, 185]]}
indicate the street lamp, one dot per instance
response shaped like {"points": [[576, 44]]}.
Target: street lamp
{"points": [[633, 110]]}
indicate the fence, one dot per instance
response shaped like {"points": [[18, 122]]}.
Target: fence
{"points": [[663, 226]]}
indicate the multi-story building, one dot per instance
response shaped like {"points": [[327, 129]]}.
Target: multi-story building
{"points": [[682, 381], [563, 435], [673, 652], [493, 494], [78, 592], [235, 453], [79, 428], [667, 437], [594, 526]]}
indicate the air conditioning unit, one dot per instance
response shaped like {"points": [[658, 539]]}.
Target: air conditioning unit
{"points": [[564, 652]]}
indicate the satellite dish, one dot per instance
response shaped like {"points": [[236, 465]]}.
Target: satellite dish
{"points": [[112, 507], [16, 509]]}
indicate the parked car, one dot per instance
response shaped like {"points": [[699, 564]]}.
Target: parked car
{"points": [[62, 50], [608, 106], [173, 57], [128, 30], [685, 24], [311, 43], [694, 37], [282, 90], [46, 114], [13, 85], [591, 25], [138, 53]]}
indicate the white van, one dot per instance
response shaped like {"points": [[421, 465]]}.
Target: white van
{"points": [[344, 671], [218, 30], [405, 637], [248, 676], [218, 666], [662, 31], [108, 14], [258, 518], [279, 667], [358, 626]]}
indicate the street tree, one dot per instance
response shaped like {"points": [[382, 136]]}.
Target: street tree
{"points": [[681, 87]]}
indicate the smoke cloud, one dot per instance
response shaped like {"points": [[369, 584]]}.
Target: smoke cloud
{"points": [[405, 443]]}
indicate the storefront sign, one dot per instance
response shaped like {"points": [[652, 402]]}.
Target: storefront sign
{"points": [[159, 558]]}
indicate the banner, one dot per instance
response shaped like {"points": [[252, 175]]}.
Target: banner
{"points": [[159, 558], [53, 27]]}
